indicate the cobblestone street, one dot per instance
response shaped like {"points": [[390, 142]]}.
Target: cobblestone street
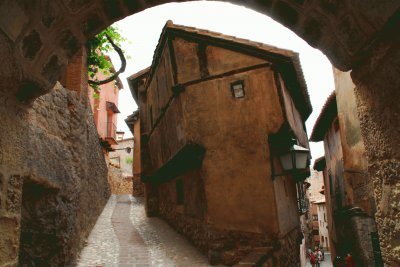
{"points": [[124, 236]]}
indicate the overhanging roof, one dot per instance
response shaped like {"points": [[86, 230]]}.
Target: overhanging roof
{"points": [[319, 164], [131, 119], [112, 106], [325, 118], [134, 78], [286, 61]]}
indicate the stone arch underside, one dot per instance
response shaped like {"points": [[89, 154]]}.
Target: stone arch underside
{"points": [[46, 34], [38, 38]]}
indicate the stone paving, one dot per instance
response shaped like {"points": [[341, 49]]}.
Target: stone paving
{"points": [[102, 245], [125, 236]]}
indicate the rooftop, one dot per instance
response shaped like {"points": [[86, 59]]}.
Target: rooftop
{"points": [[325, 118], [131, 119], [286, 62], [319, 164]]}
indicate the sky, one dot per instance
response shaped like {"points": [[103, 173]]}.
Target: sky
{"points": [[142, 31]]}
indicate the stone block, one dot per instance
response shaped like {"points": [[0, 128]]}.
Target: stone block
{"points": [[51, 71], [92, 24], [112, 9], [76, 5], [14, 194], [312, 31], [50, 13], [285, 14], [351, 34], [12, 19], [330, 6], [69, 42], [9, 231]]}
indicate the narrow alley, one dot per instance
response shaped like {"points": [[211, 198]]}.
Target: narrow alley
{"points": [[124, 236]]}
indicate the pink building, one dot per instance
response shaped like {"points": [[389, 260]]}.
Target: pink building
{"points": [[105, 110]]}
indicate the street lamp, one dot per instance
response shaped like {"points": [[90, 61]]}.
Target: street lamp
{"points": [[294, 162], [294, 159]]}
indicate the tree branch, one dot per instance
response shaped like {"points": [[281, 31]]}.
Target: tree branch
{"points": [[121, 69]]}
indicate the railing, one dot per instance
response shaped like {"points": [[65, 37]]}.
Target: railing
{"points": [[111, 130]]}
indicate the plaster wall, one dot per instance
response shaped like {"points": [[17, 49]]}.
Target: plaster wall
{"points": [[292, 115], [357, 180], [221, 60], [227, 187], [334, 165], [187, 61], [230, 129], [136, 148], [323, 225], [121, 156], [104, 118], [138, 186], [329, 202]]}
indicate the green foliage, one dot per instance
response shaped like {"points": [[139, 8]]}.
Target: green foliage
{"points": [[129, 160], [97, 48]]}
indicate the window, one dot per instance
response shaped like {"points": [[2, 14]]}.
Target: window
{"points": [[324, 218], [180, 193], [237, 89], [315, 217]]}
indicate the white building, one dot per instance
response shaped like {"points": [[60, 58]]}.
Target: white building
{"points": [[323, 224]]}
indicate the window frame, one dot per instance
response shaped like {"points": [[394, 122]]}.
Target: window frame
{"points": [[238, 82]]}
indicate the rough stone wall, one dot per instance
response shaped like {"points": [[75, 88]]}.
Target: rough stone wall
{"points": [[52, 169], [288, 249], [138, 186], [187, 217], [359, 229], [377, 94], [356, 178], [119, 184]]}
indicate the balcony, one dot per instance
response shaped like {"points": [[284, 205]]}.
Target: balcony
{"points": [[109, 137], [111, 133]]}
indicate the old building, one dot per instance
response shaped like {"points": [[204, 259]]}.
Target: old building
{"points": [[314, 195], [104, 105], [215, 112], [349, 199], [133, 122], [39, 38], [322, 224], [122, 154]]}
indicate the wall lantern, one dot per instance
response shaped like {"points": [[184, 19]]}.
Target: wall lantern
{"points": [[294, 159], [237, 89]]}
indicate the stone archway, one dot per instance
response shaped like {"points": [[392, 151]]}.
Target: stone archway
{"points": [[45, 34], [37, 39]]}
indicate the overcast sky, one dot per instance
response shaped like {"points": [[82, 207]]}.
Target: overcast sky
{"points": [[143, 29]]}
